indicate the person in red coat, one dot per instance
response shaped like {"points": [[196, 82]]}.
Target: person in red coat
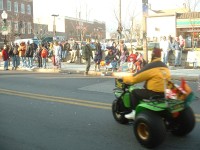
{"points": [[5, 57], [131, 60]]}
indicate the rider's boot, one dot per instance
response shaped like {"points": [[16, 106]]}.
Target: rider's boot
{"points": [[130, 115]]}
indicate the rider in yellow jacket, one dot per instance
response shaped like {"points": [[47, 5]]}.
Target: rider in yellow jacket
{"points": [[154, 75]]}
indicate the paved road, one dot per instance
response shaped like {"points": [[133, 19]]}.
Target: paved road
{"points": [[69, 112], [72, 68]]}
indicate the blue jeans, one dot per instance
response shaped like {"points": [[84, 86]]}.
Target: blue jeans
{"points": [[30, 62], [114, 64], [165, 57], [23, 59], [18, 60], [178, 56], [14, 61], [64, 54], [6, 64], [44, 62]]}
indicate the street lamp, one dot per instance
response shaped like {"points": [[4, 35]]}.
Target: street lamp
{"points": [[4, 16], [145, 14], [54, 24]]}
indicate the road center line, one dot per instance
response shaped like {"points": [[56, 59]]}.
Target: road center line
{"points": [[72, 101], [58, 99]]}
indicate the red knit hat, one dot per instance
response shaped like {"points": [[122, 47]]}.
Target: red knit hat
{"points": [[156, 52]]}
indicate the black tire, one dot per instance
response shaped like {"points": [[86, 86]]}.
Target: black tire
{"points": [[115, 111], [149, 129], [184, 123]]}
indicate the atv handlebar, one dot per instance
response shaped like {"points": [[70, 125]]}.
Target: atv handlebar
{"points": [[120, 84]]}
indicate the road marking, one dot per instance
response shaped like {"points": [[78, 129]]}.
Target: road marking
{"points": [[58, 99], [72, 101]]}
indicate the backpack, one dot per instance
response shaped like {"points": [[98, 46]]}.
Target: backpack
{"points": [[44, 53]]}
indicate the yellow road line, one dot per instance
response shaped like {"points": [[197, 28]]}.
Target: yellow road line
{"points": [[72, 101], [11, 92], [58, 99]]}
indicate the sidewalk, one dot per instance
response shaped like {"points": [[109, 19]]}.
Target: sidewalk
{"points": [[73, 68]]}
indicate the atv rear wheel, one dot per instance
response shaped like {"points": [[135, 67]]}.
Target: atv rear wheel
{"points": [[149, 129], [116, 114], [184, 123]]}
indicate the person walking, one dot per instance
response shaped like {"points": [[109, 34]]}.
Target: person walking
{"points": [[29, 54], [5, 57], [75, 49], [87, 55], [22, 52], [57, 51], [178, 52], [16, 46], [44, 55], [122, 52], [66, 50], [165, 45], [38, 55], [98, 56], [13, 54], [52, 53]]}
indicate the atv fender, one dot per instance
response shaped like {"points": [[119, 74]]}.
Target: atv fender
{"points": [[144, 106]]}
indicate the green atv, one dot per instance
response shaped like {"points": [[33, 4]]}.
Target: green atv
{"points": [[154, 116]]}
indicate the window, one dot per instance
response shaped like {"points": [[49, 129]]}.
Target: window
{"points": [[29, 9], [16, 26], [22, 9], [23, 27], [1, 4], [15, 7], [8, 5], [29, 27]]}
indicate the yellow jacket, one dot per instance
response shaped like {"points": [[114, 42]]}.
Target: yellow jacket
{"points": [[154, 75]]}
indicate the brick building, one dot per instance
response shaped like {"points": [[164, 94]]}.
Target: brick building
{"points": [[70, 28], [20, 19]]}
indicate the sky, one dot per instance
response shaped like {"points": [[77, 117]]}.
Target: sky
{"points": [[102, 10]]}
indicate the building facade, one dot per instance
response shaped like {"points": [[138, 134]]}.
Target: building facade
{"points": [[19, 20], [188, 25], [71, 28], [175, 23]]}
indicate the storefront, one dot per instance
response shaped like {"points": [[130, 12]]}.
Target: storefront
{"points": [[188, 25]]}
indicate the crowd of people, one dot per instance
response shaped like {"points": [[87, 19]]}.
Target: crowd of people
{"points": [[113, 56], [170, 44], [29, 55]]}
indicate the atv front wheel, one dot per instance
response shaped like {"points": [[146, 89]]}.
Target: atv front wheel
{"points": [[149, 129], [184, 123], [119, 117]]}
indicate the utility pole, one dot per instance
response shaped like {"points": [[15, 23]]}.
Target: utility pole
{"points": [[145, 14], [54, 24], [119, 30]]}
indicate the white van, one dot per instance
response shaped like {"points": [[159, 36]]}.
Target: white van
{"points": [[36, 41]]}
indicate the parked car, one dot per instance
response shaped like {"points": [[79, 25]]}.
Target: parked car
{"points": [[131, 43], [31, 40], [152, 45], [47, 39]]}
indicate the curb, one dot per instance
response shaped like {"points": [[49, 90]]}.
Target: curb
{"points": [[92, 73]]}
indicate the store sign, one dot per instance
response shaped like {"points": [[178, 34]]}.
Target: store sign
{"points": [[187, 22], [4, 30], [190, 29]]}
